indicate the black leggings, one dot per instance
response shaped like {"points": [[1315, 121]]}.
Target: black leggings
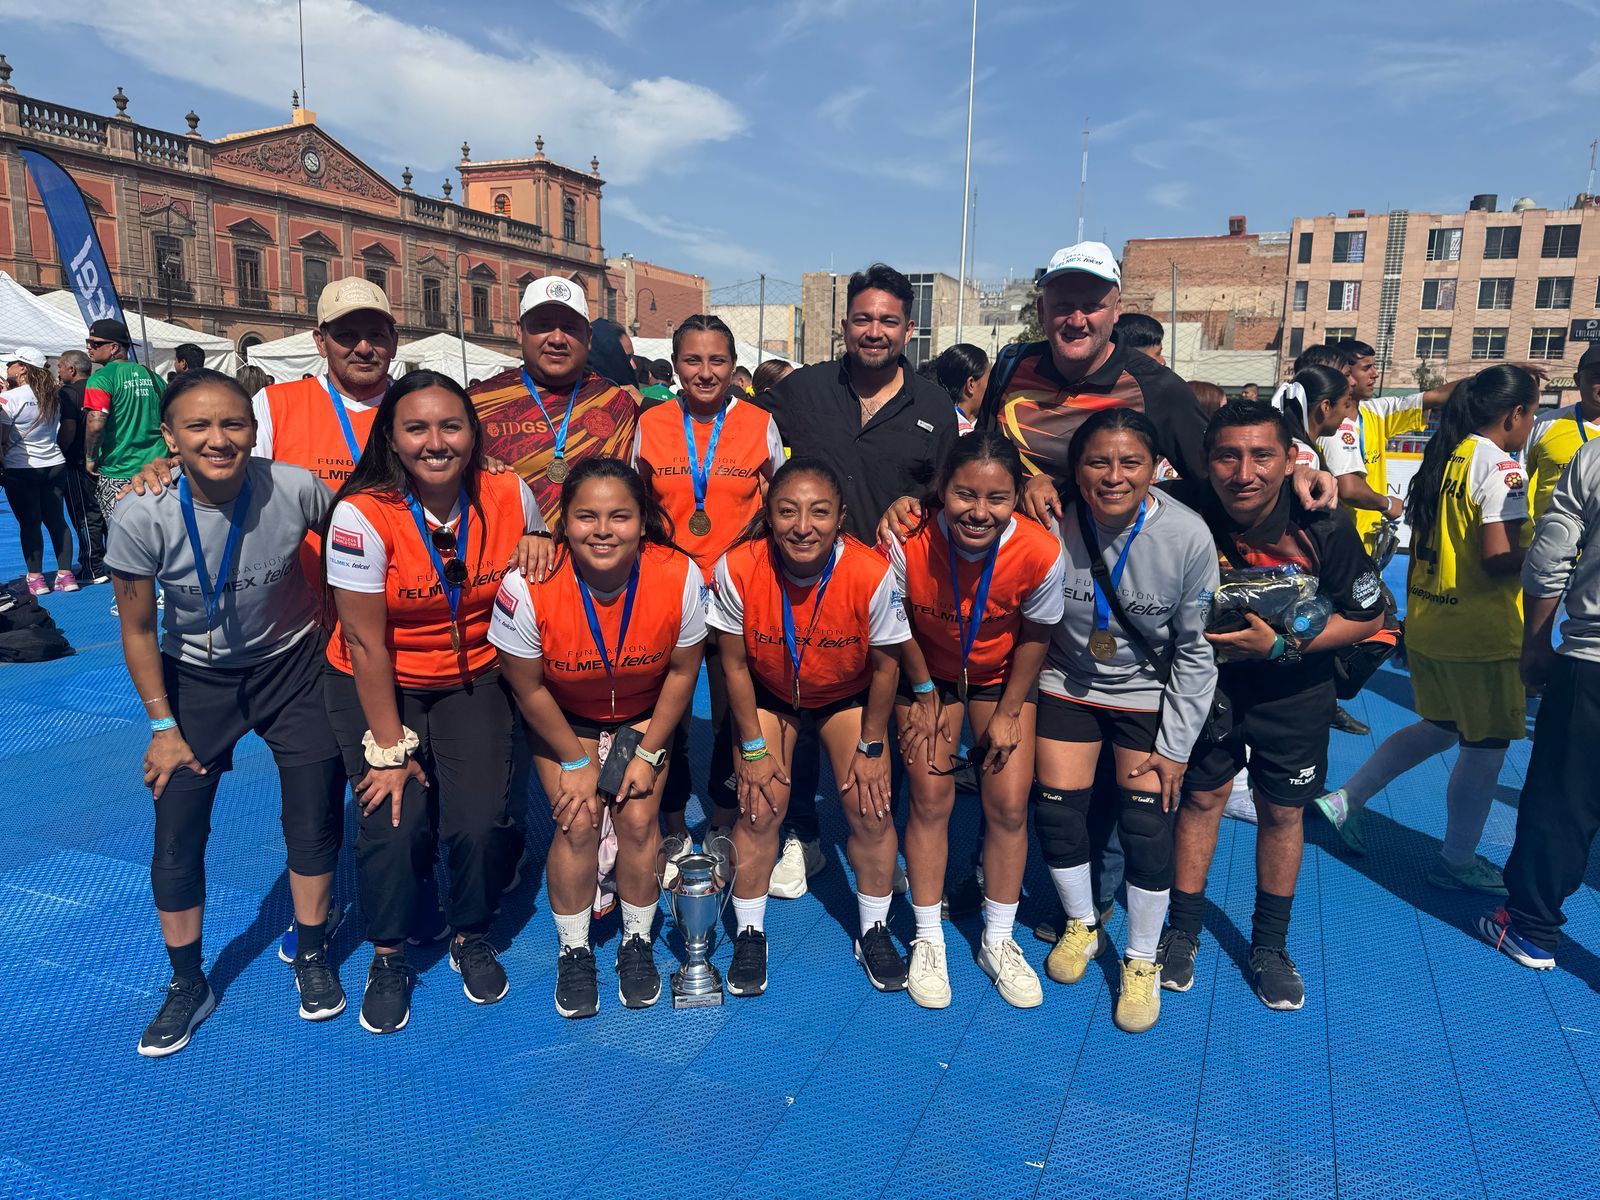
{"points": [[313, 807], [37, 496], [466, 753]]}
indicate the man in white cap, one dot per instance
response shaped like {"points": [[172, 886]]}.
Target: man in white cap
{"points": [[549, 414]]}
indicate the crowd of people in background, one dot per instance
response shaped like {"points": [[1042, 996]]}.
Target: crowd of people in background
{"points": [[1111, 603]]}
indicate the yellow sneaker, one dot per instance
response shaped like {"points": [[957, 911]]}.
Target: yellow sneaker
{"points": [[1139, 1001], [1073, 952]]}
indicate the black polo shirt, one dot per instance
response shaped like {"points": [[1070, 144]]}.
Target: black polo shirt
{"points": [[1036, 408], [70, 398], [897, 453]]}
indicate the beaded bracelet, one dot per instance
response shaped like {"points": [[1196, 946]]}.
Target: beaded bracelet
{"points": [[753, 745]]}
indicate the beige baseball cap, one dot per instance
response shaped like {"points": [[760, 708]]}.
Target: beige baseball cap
{"points": [[554, 289], [348, 295]]}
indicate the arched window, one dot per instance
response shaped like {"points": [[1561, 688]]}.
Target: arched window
{"points": [[502, 204], [247, 343], [569, 218]]}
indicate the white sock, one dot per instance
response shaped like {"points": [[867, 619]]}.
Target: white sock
{"points": [[1077, 896], [930, 922], [1147, 911], [637, 919], [1401, 750], [872, 909], [573, 930], [750, 914], [1468, 799], [998, 921]]}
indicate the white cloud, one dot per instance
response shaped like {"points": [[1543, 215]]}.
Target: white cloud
{"points": [[839, 109], [1174, 194], [616, 17], [408, 93], [702, 250]]}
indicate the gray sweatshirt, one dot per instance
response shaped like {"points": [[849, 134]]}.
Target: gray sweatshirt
{"points": [[1565, 556], [1171, 568]]}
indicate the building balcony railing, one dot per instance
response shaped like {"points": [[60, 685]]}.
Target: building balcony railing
{"points": [[58, 121], [482, 325], [254, 298], [430, 212], [162, 147], [434, 319], [176, 289]]}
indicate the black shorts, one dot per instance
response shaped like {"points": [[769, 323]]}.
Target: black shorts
{"points": [[591, 727], [1063, 720], [279, 699], [948, 694], [1287, 737], [769, 701]]}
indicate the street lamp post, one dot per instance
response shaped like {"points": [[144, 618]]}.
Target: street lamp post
{"points": [[633, 326]]}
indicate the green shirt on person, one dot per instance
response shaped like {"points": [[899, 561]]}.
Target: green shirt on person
{"points": [[130, 397]]}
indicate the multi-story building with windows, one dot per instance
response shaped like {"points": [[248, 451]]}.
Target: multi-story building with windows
{"points": [[1446, 291]]}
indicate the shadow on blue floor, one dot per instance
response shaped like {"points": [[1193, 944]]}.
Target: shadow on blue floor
{"points": [[1422, 1065]]}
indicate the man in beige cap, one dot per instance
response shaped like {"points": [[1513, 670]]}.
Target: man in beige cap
{"points": [[552, 412]]}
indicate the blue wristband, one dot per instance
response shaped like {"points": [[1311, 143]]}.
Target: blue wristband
{"points": [[753, 745], [161, 724], [576, 764], [1279, 645], [923, 688]]}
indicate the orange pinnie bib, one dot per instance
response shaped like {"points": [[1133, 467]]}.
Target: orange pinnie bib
{"points": [[306, 431]]}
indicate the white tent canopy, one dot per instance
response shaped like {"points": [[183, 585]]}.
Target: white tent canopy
{"points": [[441, 352], [749, 357], [296, 356], [163, 337], [26, 320]]}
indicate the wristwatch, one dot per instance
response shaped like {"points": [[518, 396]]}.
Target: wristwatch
{"points": [[654, 757], [870, 749]]}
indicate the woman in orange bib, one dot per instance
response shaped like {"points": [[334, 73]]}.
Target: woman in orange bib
{"points": [[807, 619], [602, 657], [417, 543], [707, 459], [982, 588]]}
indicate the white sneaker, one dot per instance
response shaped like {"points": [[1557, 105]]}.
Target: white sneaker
{"points": [[797, 862], [1240, 805], [927, 979], [1016, 980]]}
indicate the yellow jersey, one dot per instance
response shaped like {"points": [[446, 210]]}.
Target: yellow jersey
{"points": [[1556, 437], [1358, 447], [1455, 610]]}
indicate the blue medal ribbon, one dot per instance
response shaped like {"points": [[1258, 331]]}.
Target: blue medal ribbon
{"points": [[344, 419], [1102, 607], [700, 469], [1583, 430], [452, 593], [211, 589], [968, 632], [790, 638], [622, 629], [560, 435]]}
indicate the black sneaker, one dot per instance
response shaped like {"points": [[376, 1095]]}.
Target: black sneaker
{"points": [[321, 997], [483, 979], [1345, 723], [1275, 980], [875, 951], [188, 1002], [386, 1004], [638, 981], [1175, 954], [966, 898], [577, 983], [747, 974]]}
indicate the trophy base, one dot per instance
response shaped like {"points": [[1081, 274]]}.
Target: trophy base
{"points": [[697, 986]]}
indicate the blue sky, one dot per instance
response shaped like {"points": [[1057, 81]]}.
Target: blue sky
{"points": [[740, 137]]}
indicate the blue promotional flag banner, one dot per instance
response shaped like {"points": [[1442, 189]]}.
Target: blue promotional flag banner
{"points": [[81, 257]]}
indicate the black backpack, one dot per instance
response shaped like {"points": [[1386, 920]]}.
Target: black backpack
{"points": [[28, 634]]}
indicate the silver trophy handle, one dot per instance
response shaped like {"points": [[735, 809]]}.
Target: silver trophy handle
{"points": [[722, 847], [667, 869]]}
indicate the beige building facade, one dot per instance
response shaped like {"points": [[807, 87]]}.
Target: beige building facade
{"points": [[1448, 291], [933, 312]]}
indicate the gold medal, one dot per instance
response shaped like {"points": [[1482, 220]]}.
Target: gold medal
{"points": [[1103, 645], [557, 470], [455, 637], [961, 688], [699, 524]]}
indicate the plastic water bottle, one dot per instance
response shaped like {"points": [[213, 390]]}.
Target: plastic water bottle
{"points": [[1307, 618]]}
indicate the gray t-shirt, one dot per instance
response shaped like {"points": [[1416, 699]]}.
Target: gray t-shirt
{"points": [[1172, 566], [267, 605]]}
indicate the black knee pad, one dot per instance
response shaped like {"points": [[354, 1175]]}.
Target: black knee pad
{"points": [[1060, 818], [1146, 841]]}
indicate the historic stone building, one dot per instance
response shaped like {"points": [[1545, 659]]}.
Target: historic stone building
{"points": [[237, 235]]}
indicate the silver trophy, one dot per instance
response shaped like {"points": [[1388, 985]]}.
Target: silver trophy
{"points": [[695, 886]]}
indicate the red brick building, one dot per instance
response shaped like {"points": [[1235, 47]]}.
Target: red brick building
{"points": [[238, 235], [1231, 285]]}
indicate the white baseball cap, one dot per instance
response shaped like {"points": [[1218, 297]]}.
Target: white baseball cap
{"points": [[351, 294], [27, 354], [1091, 258], [554, 289]]}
